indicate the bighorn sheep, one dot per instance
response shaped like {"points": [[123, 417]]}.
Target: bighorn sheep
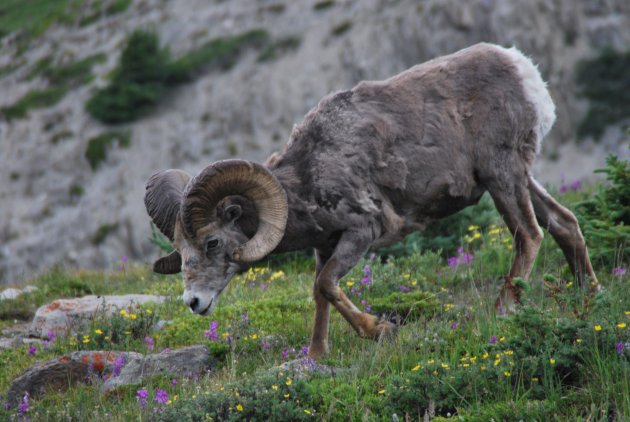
{"points": [[365, 168]]}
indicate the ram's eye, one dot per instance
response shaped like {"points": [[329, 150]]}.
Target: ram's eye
{"points": [[211, 244]]}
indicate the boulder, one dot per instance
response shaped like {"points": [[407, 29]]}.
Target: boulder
{"points": [[64, 371], [184, 362], [64, 316]]}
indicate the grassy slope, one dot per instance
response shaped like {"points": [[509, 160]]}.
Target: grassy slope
{"points": [[546, 364]]}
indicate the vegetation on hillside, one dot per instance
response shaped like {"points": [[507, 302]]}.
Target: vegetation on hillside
{"points": [[605, 81], [147, 71], [565, 355]]}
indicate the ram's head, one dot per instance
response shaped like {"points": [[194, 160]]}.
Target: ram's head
{"points": [[203, 217]]}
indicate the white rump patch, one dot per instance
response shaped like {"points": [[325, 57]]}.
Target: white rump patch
{"points": [[535, 91]]}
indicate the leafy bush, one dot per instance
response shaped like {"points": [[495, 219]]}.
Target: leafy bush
{"points": [[606, 217], [266, 397], [146, 71], [97, 147], [137, 84], [605, 81]]}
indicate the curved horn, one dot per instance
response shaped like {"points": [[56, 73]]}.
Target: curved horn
{"points": [[163, 198], [238, 177]]}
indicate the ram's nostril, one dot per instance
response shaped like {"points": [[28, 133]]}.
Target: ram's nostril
{"points": [[194, 304]]}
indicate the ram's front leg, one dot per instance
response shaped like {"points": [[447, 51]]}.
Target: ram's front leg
{"points": [[350, 248]]}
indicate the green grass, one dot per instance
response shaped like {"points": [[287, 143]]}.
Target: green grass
{"points": [[32, 17], [452, 355]]}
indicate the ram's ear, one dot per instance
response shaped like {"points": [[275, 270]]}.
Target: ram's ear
{"points": [[169, 264]]}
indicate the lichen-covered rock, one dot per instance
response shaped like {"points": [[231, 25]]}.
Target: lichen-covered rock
{"points": [[64, 316], [184, 362], [64, 371]]}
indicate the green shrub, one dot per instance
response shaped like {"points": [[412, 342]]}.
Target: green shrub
{"points": [[266, 397], [97, 147], [137, 84], [605, 218], [605, 81], [73, 74], [146, 71], [159, 240]]}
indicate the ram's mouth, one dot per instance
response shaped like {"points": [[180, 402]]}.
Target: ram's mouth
{"points": [[207, 310]]}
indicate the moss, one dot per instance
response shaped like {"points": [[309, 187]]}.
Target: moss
{"points": [[102, 233], [278, 47], [605, 81], [34, 99], [341, 28], [323, 4], [96, 151]]}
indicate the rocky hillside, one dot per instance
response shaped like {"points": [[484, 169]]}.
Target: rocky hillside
{"points": [[60, 203]]}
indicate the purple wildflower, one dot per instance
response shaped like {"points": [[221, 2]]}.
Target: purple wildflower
{"points": [[173, 382], [51, 336], [142, 396], [32, 350], [619, 347], [150, 343], [493, 339], [619, 271], [405, 289], [166, 350], [265, 345], [124, 259], [454, 326], [161, 396], [211, 334], [462, 258], [367, 273], [304, 350], [285, 353], [24, 405], [118, 364]]}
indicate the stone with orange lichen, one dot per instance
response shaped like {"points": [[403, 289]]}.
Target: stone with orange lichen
{"points": [[62, 372]]}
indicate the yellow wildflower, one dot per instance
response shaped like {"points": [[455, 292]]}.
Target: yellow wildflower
{"points": [[350, 283], [308, 412], [123, 312], [477, 235], [496, 362], [507, 373], [288, 381], [381, 392], [415, 368], [286, 396], [534, 379], [133, 316], [430, 361], [444, 365], [239, 407], [597, 327], [621, 325], [274, 387], [578, 340], [472, 228], [254, 336], [552, 361], [98, 331]]}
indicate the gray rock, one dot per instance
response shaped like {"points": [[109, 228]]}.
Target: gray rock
{"points": [[64, 371], [64, 316], [188, 361], [10, 293]]}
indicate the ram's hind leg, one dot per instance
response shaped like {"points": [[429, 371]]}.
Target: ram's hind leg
{"points": [[319, 338], [513, 202], [563, 226]]}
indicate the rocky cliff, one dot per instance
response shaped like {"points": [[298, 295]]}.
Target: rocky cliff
{"points": [[56, 208]]}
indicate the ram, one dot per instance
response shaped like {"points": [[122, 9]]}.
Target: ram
{"points": [[365, 168]]}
